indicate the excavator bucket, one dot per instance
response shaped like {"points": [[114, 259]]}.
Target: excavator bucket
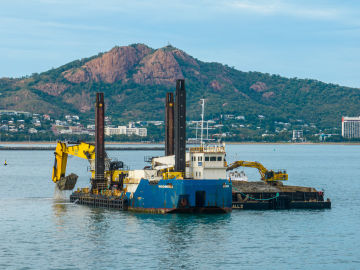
{"points": [[67, 182]]}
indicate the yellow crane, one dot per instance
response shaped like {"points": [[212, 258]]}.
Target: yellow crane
{"points": [[114, 172], [266, 175]]}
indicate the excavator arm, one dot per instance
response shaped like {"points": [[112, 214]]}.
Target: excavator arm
{"points": [[266, 175], [114, 170], [82, 150]]}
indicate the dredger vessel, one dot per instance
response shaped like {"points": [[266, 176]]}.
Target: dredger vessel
{"points": [[180, 181]]}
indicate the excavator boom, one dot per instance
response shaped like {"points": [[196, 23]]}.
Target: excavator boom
{"points": [[82, 150], [114, 170], [266, 175]]}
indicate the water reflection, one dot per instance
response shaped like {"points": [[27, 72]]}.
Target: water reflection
{"points": [[59, 208], [98, 222], [180, 233]]}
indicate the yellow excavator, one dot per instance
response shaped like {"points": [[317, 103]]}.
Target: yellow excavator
{"points": [[114, 170], [266, 175]]}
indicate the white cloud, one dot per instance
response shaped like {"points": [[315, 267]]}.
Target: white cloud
{"points": [[286, 8], [20, 23]]}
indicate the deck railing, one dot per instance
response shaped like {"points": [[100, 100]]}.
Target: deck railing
{"points": [[207, 149]]}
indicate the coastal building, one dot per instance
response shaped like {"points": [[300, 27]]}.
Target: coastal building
{"points": [[126, 130], [120, 130], [350, 127], [11, 112], [298, 136]]}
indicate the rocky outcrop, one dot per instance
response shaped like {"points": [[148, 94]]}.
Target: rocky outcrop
{"points": [[185, 57], [268, 95], [259, 87], [215, 85], [111, 66], [146, 65], [78, 75], [158, 68]]}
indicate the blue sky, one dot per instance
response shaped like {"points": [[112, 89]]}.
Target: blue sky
{"points": [[304, 39]]}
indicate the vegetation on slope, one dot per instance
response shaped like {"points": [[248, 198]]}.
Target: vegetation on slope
{"points": [[226, 90]]}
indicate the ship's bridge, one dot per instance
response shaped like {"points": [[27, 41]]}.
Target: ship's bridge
{"points": [[206, 162]]}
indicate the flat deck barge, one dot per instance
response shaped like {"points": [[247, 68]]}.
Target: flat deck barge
{"points": [[263, 196], [245, 196]]}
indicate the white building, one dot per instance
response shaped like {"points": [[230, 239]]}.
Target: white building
{"points": [[298, 136], [136, 131], [350, 127], [120, 130], [123, 130]]}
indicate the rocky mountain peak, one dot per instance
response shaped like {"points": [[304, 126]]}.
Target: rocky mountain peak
{"points": [[111, 66], [148, 66]]}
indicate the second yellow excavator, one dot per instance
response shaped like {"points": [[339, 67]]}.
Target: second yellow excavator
{"points": [[266, 175]]}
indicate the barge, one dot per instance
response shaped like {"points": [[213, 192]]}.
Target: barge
{"points": [[264, 196]]}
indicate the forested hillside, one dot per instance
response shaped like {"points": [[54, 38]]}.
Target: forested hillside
{"points": [[135, 79]]}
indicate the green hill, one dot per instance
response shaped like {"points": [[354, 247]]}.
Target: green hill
{"points": [[135, 79]]}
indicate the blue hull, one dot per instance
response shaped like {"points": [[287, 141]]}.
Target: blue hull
{"points": [[182, 196]]}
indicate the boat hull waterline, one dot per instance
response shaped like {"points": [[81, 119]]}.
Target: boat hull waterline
{"points": [[182, 196]]}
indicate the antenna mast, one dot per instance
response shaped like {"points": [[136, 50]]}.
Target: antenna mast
{"points": [[202, 120]]}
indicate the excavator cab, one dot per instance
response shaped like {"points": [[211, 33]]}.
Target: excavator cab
{"points": [[116, 165], [269, 175]]}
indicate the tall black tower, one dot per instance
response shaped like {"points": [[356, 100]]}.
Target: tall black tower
{"points": [[169, 124], [180, 126], [99, 181]]}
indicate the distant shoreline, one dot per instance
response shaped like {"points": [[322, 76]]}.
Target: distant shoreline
{"points": [[162, 143]]}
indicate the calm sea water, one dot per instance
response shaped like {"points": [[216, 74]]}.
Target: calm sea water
{"points": [[40, 232]]}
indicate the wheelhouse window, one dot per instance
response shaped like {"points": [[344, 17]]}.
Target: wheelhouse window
{"points": [[206, 158], [212, 158], [219, 158]]}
